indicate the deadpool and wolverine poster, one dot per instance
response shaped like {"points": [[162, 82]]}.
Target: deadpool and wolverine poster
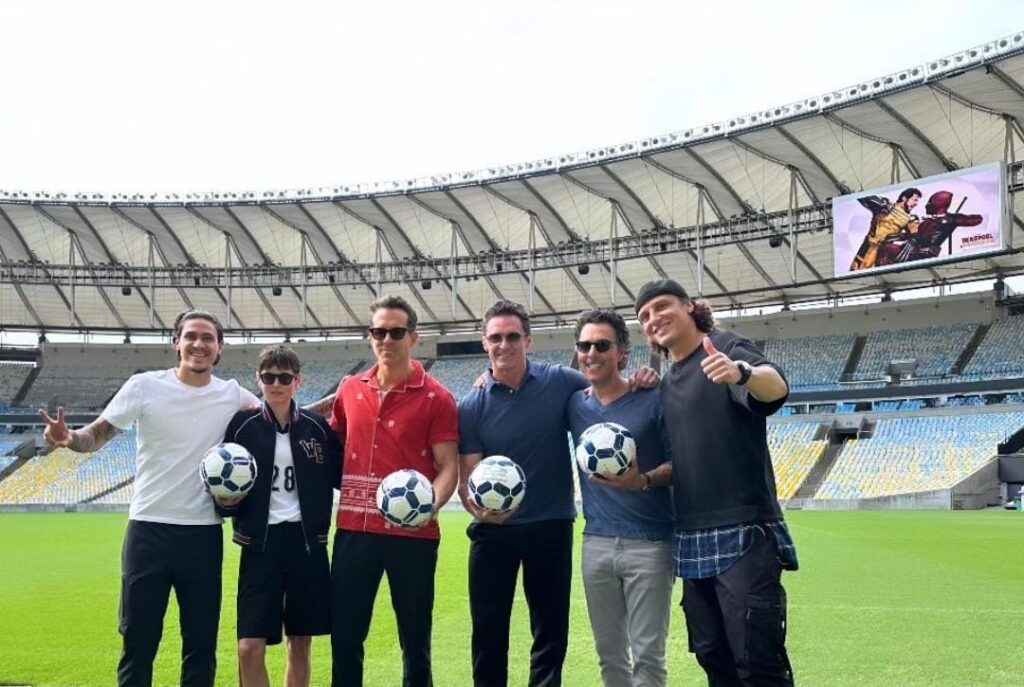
{"points": [[954, 215]]}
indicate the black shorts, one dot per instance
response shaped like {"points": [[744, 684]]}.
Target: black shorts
{"points": [[284, 585]]}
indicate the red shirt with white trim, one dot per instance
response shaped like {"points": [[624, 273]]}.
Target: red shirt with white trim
{"points": [[384, 436]]}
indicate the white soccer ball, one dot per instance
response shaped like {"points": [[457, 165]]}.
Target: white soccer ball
{"points": [[497, 484], [405, 498], [228, 470], [606, 448]]}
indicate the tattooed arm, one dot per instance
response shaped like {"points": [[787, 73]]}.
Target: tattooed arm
{"points": [[86, 440]]}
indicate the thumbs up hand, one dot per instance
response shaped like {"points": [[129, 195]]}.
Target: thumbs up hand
{"points": [[719, 367]]}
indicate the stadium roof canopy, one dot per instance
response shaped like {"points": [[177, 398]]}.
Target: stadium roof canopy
{"points": [[735, 210]]}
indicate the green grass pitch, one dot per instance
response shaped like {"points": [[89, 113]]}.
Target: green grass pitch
{"points": [[882, 598]]}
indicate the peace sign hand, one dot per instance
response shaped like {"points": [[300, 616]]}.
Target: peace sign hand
{"points": [[57, 433]]}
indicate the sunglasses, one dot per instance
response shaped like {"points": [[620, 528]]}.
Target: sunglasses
{"points": [[602, 346], [511, 337], [283, 378], [379, 333]]}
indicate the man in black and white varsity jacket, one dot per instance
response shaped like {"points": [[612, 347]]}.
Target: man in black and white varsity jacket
{"points": [[283, 523]]}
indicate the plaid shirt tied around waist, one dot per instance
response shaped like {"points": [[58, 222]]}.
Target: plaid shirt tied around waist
{"points": [[710, 552]]}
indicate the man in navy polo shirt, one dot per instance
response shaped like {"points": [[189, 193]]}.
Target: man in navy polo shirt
{"points": [[627, 541], [520, 413]]}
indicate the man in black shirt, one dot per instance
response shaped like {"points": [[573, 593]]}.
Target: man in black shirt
{"points": [[731, 541]]}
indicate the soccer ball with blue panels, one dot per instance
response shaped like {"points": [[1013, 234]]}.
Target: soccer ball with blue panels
{"points": [[606, 448], [228, 470], [405, 498], [497, 484]]}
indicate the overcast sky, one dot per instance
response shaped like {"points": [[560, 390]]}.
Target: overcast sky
{"points": [[132, 96]]}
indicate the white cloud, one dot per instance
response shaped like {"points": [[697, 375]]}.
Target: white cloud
{"points": [[196, 96]]}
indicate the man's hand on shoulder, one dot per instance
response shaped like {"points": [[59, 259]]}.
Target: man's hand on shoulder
{"points": [[644, 378]]}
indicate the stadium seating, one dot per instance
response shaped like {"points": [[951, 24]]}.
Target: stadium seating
{"points": [[999, 354], [76, 387], [934, 348], [243, 373], [320, 379], [794, 452], [12, 377], [964, 401], [9, 442], [907, 455], [34, 481], [63, 476], [459, 374], [639, 355], [811, 363], [555, 357], [928, 451], [121, 496]]}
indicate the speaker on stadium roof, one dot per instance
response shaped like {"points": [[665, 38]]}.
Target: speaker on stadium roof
{"points": [[426, 284], [276, 291], [499, 266], [583, 269], [774, 240], [126, 290]]}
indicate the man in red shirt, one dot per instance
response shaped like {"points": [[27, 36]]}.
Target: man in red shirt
{"points": [[393, 416]]}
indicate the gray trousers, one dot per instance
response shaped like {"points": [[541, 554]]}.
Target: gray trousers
{"points": [[628, 583]]}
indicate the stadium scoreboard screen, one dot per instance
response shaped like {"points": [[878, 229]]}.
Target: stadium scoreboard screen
{"points": [[950, 216]]}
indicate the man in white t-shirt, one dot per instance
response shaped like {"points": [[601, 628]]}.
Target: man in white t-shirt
{"points": [[174, 536]]}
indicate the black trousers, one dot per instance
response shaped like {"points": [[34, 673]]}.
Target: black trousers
{"points": [[359, 561], [156, 558], [544, 550], [736, 621]]}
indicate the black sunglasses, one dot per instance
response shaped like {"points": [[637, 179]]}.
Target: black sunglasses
{"points": [[511, 337], [397, 333], [283, 378], [602, 345]]}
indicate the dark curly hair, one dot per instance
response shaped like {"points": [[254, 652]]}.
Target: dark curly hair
{"points": [[612, 319]]}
